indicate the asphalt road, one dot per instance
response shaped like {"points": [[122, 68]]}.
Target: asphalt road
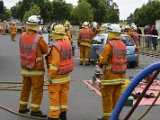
{"points": [[84, 104]]}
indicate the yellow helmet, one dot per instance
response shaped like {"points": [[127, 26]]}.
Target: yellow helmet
{"points": [[85, 24], [59, 29], [67, 24]]}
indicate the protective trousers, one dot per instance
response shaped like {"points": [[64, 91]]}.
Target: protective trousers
{"points": [[58, 94], [37, 92], [110, 96], [84, 54], [13, 36]]}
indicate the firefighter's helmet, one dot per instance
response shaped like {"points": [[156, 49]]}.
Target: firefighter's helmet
{"points": [[134, 27], [33, 23], [114, 28], [33, 20], [85, 24], [59, 29]]}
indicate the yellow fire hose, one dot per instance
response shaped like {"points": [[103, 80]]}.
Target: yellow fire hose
{"points": [[16, 88]]}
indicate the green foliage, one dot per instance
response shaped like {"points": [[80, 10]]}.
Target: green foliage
{"points": [[61, 10], [83, 12], [33, 11], [148, 13]]}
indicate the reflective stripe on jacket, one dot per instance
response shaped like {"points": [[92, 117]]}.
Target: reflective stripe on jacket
{"points": [[28, 46], [32, 73], [118, 57], [84, 35], [113, 81], [66, 60]]}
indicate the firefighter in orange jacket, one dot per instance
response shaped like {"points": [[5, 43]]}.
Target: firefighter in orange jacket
{"points": [[32, 47], [134, 35], [68, 32], [113, 59], [84, 42], [60, 64], [4, 26], [13, 30], [94, 30]]}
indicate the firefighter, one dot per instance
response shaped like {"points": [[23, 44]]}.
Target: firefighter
{"points": [[60, 64], [32, 48], [4, 27], [13, 30], [94, 30], [136, 39], [84, 42], [68, 32], [113, 58]]}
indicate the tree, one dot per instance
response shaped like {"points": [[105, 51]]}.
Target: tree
{"points": [[148, 13], [33, 11], [83, 12]]}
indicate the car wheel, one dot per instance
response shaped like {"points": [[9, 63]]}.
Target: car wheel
{"points": [[132, 64]]}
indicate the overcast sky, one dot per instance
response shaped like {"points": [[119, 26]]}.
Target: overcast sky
{"points": [[125, 6]]}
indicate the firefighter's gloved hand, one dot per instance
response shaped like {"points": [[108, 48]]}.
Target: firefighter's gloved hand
{"points": [[49, 80], [78, 43]]}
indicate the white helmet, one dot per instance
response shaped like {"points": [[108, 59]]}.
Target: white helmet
{"points": [[94, 24], [34, 20], [114, 28], [134, 27], [85, 24]]}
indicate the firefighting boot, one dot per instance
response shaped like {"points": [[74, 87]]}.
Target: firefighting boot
{"points": [[38, 114], [24, 111], [63, 116], [53, 118]]}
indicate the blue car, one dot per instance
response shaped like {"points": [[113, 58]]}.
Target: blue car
{"points": [[100, 40]]}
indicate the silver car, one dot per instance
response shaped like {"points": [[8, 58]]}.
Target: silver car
{"points": [[100, 40]]}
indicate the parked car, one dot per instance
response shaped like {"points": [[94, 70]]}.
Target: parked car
{"points": [[100, 40]]}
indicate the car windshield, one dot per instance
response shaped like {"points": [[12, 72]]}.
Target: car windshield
{"points": [[127, 40], [98, 39]]}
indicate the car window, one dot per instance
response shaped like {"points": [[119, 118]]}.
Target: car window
{"points": [[127, 40]]}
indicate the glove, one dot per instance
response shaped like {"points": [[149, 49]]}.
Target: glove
{"points": [[78, 43]]}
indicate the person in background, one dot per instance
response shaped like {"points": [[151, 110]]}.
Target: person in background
{"points": [[4, 27], [84, 42], [113, 58], [154, 33], [94, 30], [68, 31], [13, 30], [59, 64], [32, 48]]}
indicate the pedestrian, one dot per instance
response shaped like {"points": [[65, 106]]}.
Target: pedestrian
{"points": [[60, 64], [84, 42], [32, 48], [113, 58], [154, 33], [13, 30]]}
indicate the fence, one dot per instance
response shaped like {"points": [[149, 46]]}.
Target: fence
{"points": [[149, 42]]}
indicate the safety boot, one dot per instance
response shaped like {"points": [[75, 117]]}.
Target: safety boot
{"points": [[24, 111], [63, 116], [38, 114], [53, 118]]}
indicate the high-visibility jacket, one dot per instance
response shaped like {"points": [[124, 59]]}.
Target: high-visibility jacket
{"points": [[84, 35], [66, 60], [28, 46], [135, 37], [93, 33], [13, 29], [118, 64], [4, 25]]}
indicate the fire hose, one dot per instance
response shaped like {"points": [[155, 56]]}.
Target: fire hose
{"points": [[137, 79], [16, 88]]}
